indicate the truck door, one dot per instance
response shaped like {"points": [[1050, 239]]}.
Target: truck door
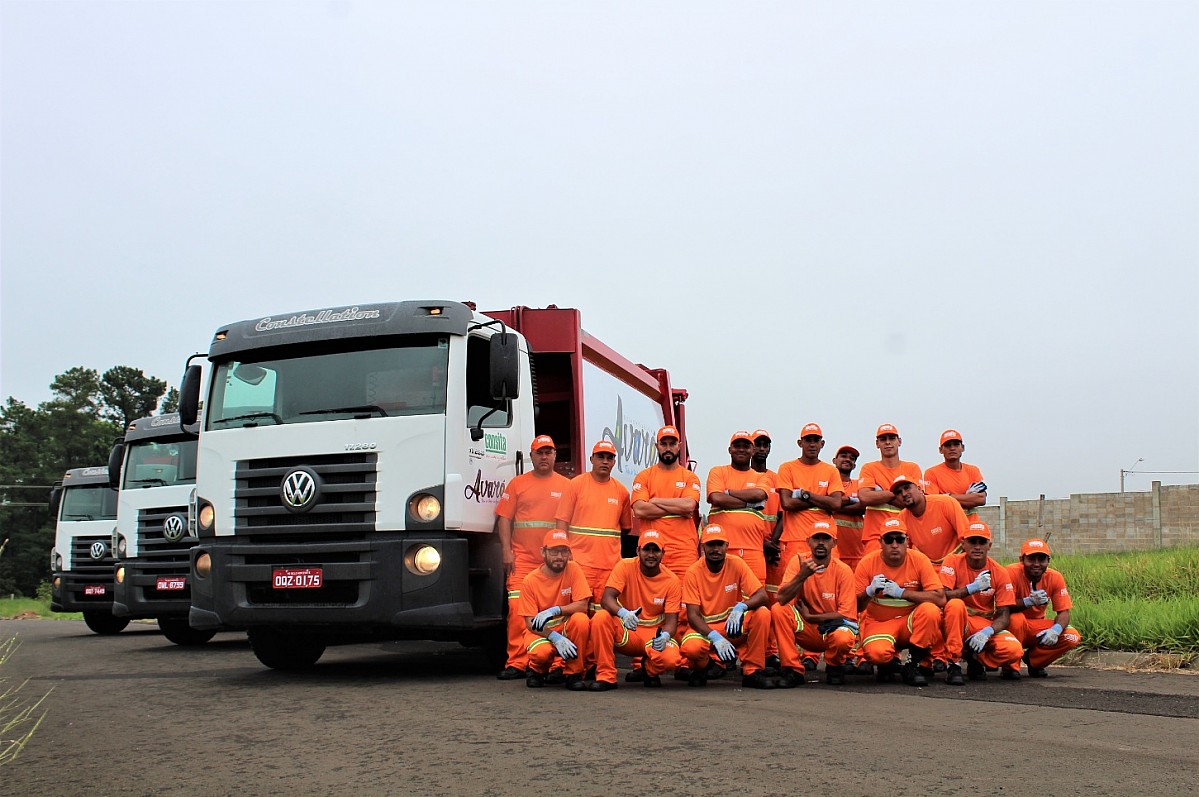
{"points": [[491, 458]]}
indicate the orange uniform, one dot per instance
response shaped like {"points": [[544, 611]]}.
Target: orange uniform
{"points": [[939, 531], [942, 479], [819, 479], [830, 591], [595, 512], [531, 503], [849, 529], [969, 615], [680, 538], [539, 592], [1026, 624], [715, 594], [745, 527], [876, 474], [770, 518], [657, 597], [888, 624]]}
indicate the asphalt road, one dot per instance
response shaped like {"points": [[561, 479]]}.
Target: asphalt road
{"points": [[135, 715]]}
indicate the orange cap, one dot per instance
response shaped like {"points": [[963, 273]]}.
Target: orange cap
{"points": [[886, 428], [542, 441], [556, 539], [950, 434], [978, 529], [714, 533], [668, 431], [1035, 546], [741, 435], [856, 453], [604, 447], [810, 429], [649, 537], [760, 433], [824, 527], [893, 526], [901, 479]]}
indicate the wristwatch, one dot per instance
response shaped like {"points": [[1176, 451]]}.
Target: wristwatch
{"points": [[804, 495]]}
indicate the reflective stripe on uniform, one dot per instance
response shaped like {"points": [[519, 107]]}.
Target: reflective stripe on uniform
{"points": [[513, 594], [875, 637], [534, 524], [586, 532]]}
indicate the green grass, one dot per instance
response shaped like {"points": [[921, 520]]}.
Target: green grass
{"points": [[12, 607], [1138, 601]]}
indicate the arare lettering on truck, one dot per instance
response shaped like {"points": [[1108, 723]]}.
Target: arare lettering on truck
{"points": [[485, 491], [634, 444]]}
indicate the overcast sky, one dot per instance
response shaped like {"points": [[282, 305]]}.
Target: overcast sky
{"points": [[980, 216]]}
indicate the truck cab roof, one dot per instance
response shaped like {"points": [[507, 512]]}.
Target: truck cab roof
{"points": [[155, 426], [86, 476]]}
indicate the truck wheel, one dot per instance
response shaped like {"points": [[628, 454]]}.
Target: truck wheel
{"points": [[178, 631], [105, 624], [281, 651]]}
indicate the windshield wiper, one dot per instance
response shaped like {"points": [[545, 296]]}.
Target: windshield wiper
{"points": [[150, 480], [250, 416], [369, 409], [83, 516]]}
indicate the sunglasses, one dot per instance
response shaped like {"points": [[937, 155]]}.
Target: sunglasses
{"points": [[894, 539]]}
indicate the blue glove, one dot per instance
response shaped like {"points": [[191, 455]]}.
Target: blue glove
{"points": [[1048, 637], [566, 649], [1038, 597], [544, 617], [876, 585], [980, 584], [628, 619], [732, 626], [660, 641], [979, 641], [724, 649], [893, 590], [852, 626]]}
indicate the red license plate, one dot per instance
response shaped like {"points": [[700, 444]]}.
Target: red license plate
{"points": [[170, 584], [95, 589], [296, 578]]}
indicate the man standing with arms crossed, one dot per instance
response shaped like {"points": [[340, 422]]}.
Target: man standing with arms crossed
{"points": [[874, 485], [849, 517], [955, 478], [816, 610], [524, 514], [980, 599], [640, 614], [666, 498], [726, 607], [1037, 585], [553, 601], [737, 494], [809, 491]]}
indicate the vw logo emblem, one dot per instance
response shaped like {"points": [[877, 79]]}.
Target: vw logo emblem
{"points": [[172, 528], [299, 490], [98, 550]]}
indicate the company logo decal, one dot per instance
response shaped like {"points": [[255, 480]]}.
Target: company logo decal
{"points": [[495, 443], [98, 550], [635, 445], [172, 528], [484, 491], [299, 490], [323, 317]]}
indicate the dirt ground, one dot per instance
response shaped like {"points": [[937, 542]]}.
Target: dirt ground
{"points": [[133, 714]]}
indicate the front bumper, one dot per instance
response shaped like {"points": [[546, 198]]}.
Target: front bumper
{"points": [[71, 593], [138, 596]]}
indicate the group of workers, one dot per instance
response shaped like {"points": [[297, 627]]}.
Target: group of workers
{"points": [[790, 567]]}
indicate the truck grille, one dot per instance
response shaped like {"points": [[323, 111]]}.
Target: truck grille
{"points": [[151, 537], [82, 561], [346, 506]]}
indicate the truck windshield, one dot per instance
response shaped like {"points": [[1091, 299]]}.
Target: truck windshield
{"points": [[160, 463], [92, 502], [335, 383]]}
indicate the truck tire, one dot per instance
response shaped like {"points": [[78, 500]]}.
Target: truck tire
{"points": [[282, 651], [178, 631], [104, 623]]}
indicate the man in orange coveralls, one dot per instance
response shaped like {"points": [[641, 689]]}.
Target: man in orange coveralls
{"points": [[1035, 586], [963, 482], [553, 601], [874, 484], [899, 604], [809, 490], [738, 494], [725, 601], [980, 598], [639, 616], [816, 610], [666, 498], [525, 512]]}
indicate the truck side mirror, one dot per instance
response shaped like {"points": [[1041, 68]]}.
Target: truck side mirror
{"points": [[189, 396], [55, 499], [115, 458], [505, 367]]}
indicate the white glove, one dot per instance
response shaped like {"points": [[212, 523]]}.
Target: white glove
{"points": [[660, 641], [1038, 597], [979, 641], [628, 619], [876, 585], [977, 487], [893, 590], [544, 617], [980, 584], [1048, 637], [566, 649], [724, 649], [732, 626]]}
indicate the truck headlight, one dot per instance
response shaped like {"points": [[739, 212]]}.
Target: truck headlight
{"points": [[58, 562], [423, 560], [121, 574], [424, 507], [205, 517], [121, 545], [203, 565]]}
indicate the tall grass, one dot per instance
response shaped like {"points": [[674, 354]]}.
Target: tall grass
{"points": [[18, 720], [1138, 601]]}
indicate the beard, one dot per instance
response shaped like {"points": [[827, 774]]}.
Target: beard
{"points": [[668, 457]]}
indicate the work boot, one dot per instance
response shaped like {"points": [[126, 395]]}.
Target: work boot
{"points": [[953, 675], [1037, 672], [912, 675], [885, 673], [773, 665], [757, 680], [697, 678], [834, 674], [601, 686], [1009, 674], [789, 679], [575, 683], [809, 670], [635, 676], [652, 681], [975, 670], [938, 666], [864, 668], [534, 680], [683, 674], [715, 672], [555, 677], [511, 674]]}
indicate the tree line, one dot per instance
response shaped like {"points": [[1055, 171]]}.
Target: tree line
{"points": [[75, 428]]}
